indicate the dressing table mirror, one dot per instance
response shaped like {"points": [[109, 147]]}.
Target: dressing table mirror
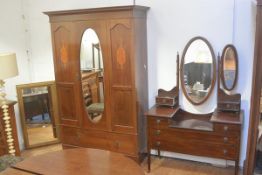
{"points": [[229, 67], [228, 73], [198, 70], [216, 134], [91, 63]]}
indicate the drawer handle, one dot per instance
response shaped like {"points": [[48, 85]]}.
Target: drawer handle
{"points": [[158, 121], [158, 132], [157, 143], [225, 139], [225, 128], [225, 152]]}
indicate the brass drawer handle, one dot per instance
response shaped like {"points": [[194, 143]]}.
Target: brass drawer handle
{"points": [[158, 132], [158, 121], [225, 128], [157, 143], [225, 139], [225, 152]]}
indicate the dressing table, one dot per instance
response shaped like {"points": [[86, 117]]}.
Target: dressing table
{"points": [[216, 134]]}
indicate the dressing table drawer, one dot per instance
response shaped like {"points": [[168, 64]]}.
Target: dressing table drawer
{"points": [[227, 129], [224, 151], [171, 134], [157, 123]]}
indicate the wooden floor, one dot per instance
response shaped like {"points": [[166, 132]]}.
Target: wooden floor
{"points": [[159, 166]]}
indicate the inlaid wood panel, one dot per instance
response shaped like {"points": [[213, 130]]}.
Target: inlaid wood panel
{"points": [[121, 40], [65, 61]]}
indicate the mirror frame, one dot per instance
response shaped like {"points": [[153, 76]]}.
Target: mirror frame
{"points": [[222, 67], [54, 111], [182, 70]]}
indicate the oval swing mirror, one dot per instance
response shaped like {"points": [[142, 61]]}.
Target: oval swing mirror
{"points": [[229, 66], [198, 70], [92, 72]]}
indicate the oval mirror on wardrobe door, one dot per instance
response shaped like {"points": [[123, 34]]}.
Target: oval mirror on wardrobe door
{"points": [[229, 70], [198, 70], [91, 63]]}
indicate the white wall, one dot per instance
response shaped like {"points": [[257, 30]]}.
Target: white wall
{"points": [[13, 39], [243, 39], [171, 24]]}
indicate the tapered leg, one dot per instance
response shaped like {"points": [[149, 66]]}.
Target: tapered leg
{"points": [[236, 167], [149, 161]]}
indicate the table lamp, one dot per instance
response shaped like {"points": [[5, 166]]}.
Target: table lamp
{"points": [[8, 69]]}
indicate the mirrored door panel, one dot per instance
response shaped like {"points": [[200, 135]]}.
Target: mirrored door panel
{"points": [[92, 72]]}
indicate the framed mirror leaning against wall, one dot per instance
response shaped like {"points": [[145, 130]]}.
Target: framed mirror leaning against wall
{"points": [[38, 113]]}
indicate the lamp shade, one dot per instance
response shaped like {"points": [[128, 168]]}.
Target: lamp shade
{"points": [[8, 65]]}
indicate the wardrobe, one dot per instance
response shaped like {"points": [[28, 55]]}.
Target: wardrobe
{"points": [[122, 35]]}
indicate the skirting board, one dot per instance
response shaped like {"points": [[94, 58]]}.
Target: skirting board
{"points": [[213, 161]]}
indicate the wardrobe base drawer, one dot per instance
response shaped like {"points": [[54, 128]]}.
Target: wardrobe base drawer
{"points": [[124, 143], [93, 139], [69, 135]]}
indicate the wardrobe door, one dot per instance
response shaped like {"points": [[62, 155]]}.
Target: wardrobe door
{"points": [[93, 55], [123, 115], [66, 72]]}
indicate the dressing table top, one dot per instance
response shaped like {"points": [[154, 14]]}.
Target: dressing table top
{"points": [[165, 112], [227, 117]]}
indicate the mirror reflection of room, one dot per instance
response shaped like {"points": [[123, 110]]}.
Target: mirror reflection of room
{"points": [[198, 70], [229, 67], [92, 75]]}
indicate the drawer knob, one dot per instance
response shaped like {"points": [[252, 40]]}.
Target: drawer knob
{"points": [[157, 143], [158, 132], [225, 128], [225, 152], [225, 139], [158, 121]]}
